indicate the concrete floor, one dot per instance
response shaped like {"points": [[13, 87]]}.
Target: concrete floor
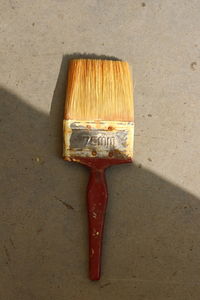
{"points": [[152, 240]]}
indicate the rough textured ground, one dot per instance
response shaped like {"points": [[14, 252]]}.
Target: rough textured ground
{"points": [[152, 241]]}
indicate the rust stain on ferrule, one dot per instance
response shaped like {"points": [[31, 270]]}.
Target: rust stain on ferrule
{"points": [[102, 139]]}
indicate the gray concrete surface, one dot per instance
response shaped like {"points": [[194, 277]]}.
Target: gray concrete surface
{"points": [[152, 241]]}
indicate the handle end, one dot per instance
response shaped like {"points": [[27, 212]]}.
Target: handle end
{"points": [[94, 277]]}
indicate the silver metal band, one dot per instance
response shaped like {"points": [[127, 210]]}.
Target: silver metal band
{"points": [[101, 139]]}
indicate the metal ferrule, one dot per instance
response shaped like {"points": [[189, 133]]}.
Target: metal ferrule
{"points": [[102, 139]]}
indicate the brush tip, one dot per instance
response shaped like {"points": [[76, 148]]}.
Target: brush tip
{"points": [[99, 89]]}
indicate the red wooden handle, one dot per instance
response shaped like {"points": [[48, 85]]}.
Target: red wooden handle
{"points": [[97, 202]]}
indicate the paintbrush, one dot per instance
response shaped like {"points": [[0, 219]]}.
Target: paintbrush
{"points": [[98, 133]]}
